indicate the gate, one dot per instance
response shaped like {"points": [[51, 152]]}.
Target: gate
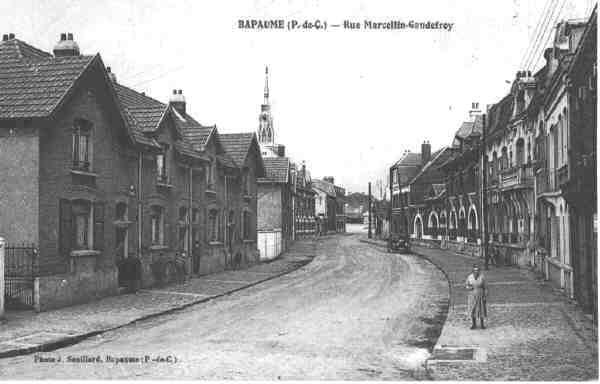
{"points": [[20, 270]]}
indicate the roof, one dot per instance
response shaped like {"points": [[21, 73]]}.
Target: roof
{"points": [[33, 83], [277, 170], [226, 161], [324, 186], [470, 128], [237, 145], [409, 159], [437, 158], [499, 114], [192, 130], [146, 111]]}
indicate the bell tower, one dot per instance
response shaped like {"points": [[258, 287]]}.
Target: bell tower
{"points": [[266, 132]]}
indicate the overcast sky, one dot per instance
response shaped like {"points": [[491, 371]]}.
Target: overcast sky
{"points": [[347, 102]]}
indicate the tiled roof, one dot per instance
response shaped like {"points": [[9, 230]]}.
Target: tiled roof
{"points": [[469, 128], [409, 159], [437, 158], [226, 161], [277, 170], [324, 186], [500, 114], [146, 111], [192, 130], [15, 49], [237, 145], [32, 82], [186, 149]]}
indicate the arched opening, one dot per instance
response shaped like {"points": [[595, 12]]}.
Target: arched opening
{"points": [[418, 227], [452, 226], [473, 225], [432, 225], [504, 159], [462, 223]]}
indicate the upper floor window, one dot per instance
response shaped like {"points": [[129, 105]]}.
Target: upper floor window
{"points": [[121, 211], [161, 165], [247, 225], [157, 224], [211, 171], [82, 145], [213, 225]]}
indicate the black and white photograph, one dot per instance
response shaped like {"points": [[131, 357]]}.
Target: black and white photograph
{"points": [[298, 190]]}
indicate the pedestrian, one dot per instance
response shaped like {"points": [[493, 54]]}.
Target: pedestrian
{"points": [[476, 300]]}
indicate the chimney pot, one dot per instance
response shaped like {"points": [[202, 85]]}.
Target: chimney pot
{"points": [[108, 69], [69, 36], [174, 91], [63, 36], [4, 37], [11, 36], [179, 92]]}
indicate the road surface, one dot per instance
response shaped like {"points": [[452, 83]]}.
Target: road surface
{"points": [[354, 313]]}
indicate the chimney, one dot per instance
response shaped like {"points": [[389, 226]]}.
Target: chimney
{"points": [[66, 46], [111, 75], [177, 101], [4, 37], [329, 179], [425, 152], [281, 150], [474, 111]]}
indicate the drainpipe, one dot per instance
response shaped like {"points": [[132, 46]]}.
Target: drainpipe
{"points": [[139, 206], [2, 252], [189, 215]]}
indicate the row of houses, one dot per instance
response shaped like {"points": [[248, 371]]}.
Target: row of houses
{"points": [[96, 174], [292, 204], [520, 179]]}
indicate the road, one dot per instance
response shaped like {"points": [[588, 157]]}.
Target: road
{"points": [[354, 313]]}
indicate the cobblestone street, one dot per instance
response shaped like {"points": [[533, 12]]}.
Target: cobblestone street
{"points": [[355, 312], [533, 332]]}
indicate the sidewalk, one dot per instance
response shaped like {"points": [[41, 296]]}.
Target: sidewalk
{"points": [[26, 331], [533, 332]]}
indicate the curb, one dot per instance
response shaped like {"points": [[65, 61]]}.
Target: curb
{"points": [[75, 339]]}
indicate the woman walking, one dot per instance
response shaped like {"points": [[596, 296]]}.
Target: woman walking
{"points": [[476, 301]]}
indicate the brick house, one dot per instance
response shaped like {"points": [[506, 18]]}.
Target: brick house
{"points": [[275, 211], [96, 173], [303, 202], [325, 204]]}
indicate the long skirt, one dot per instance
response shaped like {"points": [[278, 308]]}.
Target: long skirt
{"points": [[476, 304]]}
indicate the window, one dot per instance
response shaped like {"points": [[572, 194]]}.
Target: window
{"points": [[121, 212], [161, 166], [183, 214], [195, 215], [157, 223], [210, 175], [81, 151], [82, 225], [213, 225]]}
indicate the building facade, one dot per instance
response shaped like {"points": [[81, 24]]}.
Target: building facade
{"points": [[96, 173]]}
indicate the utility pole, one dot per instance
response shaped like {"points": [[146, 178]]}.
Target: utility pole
{"points": [[483, 196], [370, 235]]}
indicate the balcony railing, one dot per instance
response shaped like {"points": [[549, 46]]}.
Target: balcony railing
{"points": [[562, 175], [516, 177], [81, 165], [546, 181]]}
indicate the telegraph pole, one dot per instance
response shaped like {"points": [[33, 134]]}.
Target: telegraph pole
{"points": [[483, 197], [370, 235]]}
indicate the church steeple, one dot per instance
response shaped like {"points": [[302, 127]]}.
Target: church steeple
{"points": [[266, 101], [266, 132]]}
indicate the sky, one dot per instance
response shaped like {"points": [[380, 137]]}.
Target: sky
{"points": [[348, 102]]}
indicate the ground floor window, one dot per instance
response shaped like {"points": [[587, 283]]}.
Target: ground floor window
{"points": [[213, 225], [82, 224], [247, 225]]}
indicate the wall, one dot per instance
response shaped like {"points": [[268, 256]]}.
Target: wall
{"points": [[19, 156], [269, 244], [269, 207]]}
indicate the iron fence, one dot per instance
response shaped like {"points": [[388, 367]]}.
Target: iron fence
{"points": [[21, 267]]}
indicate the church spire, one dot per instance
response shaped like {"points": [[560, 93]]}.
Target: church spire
{"points": [[266, 85]]}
